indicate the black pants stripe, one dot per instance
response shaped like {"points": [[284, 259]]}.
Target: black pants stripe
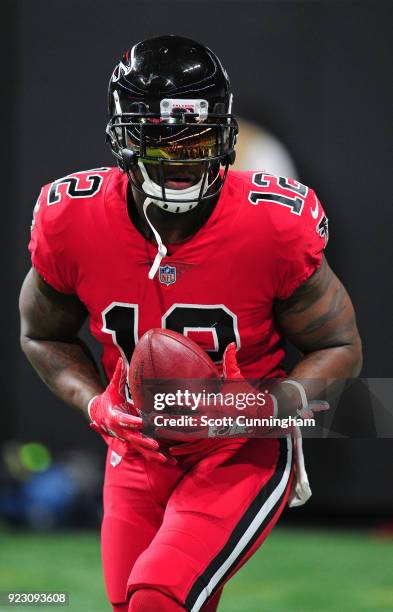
{"points": [[253, 522]]}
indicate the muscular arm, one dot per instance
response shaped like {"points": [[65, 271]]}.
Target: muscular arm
{"points": [[320, 321], [50, 322]]}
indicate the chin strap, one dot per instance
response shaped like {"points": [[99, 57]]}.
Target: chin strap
{"points": [[162, 250]]}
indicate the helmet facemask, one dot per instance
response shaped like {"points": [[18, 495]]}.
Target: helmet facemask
{"points": [[174, 157]]}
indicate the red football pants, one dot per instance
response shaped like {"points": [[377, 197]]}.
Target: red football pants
{"points": [[184, 530]]}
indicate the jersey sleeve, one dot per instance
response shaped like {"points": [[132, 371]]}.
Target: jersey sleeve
{"points": [[48, 246], [299, 246]]}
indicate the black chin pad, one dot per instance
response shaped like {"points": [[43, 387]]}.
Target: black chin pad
{"points": [[230, 158]]}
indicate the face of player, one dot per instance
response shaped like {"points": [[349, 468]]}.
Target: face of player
{"points": [[173, 144]]}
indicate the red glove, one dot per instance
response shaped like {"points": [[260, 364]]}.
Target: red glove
{"points": [[111, 418], [258, 403]]}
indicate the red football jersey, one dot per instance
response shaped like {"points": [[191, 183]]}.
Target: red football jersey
{"points": [[264, 238]]}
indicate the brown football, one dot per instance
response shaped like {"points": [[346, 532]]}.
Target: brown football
{"points": [[166, 354]]}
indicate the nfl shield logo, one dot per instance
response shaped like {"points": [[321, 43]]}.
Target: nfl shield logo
{"points": [[167, 275]]}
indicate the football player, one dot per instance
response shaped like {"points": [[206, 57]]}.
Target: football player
{"points": [[171, 237]]}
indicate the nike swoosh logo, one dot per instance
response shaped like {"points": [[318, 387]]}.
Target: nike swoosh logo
{"points": [[315, 211]]}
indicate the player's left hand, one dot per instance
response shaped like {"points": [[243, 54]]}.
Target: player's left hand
{"points": [[231, 372]]}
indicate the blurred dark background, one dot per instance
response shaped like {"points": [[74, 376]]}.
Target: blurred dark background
{"points": [[315, 74]]}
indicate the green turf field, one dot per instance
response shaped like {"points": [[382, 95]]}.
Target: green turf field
{"points": [[295, 570]]}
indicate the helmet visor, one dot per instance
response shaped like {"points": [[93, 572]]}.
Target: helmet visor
{"points": [[175, 143], [153, 139], [187, 143]]}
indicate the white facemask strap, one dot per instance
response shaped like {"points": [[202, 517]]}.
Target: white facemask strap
{"points": [[162, 250]]}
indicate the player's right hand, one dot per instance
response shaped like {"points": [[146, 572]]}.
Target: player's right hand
{"points": [[111, 418]]}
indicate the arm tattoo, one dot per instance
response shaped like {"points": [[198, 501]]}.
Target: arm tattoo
{"points": [[333, 309], [50, 323], [318, 318]]}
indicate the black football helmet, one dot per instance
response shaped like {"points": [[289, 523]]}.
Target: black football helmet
{"points": [[171, 126]]}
